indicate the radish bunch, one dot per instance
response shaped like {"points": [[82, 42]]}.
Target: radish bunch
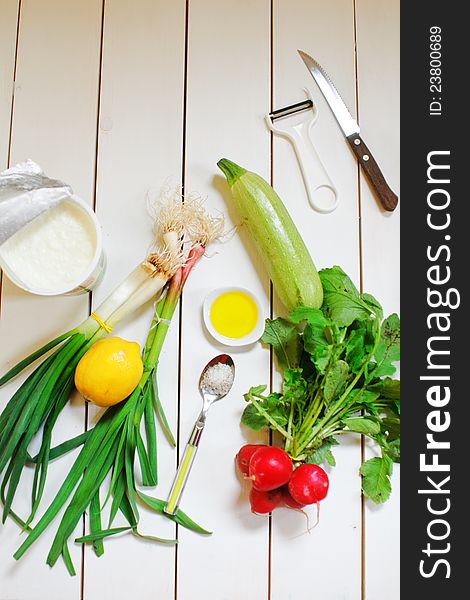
{"points": [[275, 482]]}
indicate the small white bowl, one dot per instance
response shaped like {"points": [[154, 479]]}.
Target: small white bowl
{"points": [[89, 279], [252, 337]]}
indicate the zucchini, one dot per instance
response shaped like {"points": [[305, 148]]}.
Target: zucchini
{"points": [[283, 252]]}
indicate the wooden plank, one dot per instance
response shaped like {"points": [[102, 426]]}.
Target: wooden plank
{"points": [[228, 94], [55, 125], [324, 30], [140, 143], [8, 31], [378, 47]]}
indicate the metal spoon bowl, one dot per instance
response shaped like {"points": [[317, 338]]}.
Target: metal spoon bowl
{"points": [[208, 396]]}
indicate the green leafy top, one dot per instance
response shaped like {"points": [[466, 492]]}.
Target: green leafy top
{"points": [[283, 337], [341, 300], [337, 364]]}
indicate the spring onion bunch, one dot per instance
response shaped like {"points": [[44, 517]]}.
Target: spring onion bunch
{"points": [[38, 402], [183, 231]]}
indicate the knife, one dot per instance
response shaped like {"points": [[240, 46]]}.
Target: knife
{"points": [[351, 131]]}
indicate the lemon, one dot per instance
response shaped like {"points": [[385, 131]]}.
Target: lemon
{"points": [[109, 371]]}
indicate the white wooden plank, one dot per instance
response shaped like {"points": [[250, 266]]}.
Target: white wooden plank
{"points": [[228, 94], [54, 124], [8, 29], [379, 88], [140, 145], [324, 30]]}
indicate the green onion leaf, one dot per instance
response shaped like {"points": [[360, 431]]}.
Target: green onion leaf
{"points": [[93, 476], [35, 355], [16, 403], [118, 492], [44, 452], [67, 446], [95, 523], [153, 538], [128, 512], [147, 475], [118, 466], [179, 517], [68, 560], [103, 430], [98, 535], [160, 412], [39, 400], [151, 434]]}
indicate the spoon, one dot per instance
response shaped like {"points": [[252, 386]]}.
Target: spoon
{"points": [[210, 393]]}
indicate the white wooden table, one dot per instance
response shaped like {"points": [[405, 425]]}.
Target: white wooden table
{"points": [[114, 97]]}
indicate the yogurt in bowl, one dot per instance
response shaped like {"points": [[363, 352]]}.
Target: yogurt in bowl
{"points": [[58, 252], [51, 241]]}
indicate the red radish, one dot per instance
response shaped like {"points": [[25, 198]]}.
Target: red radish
{"points": [[308, 484], [270, 468], [244, 455], [288, 500], [264, 502]]}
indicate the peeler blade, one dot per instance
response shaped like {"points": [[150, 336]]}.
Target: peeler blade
{"points": [[290, 110]]}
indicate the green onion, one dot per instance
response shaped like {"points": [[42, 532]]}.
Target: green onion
{"points": [[39, 400]]}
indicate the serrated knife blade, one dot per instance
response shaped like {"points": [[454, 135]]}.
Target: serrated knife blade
{"points": [[351, 131], [331, 94]]}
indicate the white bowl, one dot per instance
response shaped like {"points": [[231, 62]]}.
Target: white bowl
{"points": [[87, 280], [252, 337]]}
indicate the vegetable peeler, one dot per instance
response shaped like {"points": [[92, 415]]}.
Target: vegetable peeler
{"points": [[322, 193]]}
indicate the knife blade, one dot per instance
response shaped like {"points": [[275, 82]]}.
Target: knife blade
{"points": [[351, 131]]}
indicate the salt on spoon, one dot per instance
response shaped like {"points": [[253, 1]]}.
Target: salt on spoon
{"points": [[217, 379], [214, 384]]}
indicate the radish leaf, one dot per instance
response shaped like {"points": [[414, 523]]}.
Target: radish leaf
{"points": [[285, 340], [376, 478], [323, 453], [335, 380], [341, 300], [362, 425], [388, 349], [387, 387]]}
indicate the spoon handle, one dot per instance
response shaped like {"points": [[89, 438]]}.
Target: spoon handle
{"points": [[185, 465]]}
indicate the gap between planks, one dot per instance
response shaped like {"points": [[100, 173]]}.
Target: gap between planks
{"points": [[90, 297], [361, 279], [180, 308], [10, 128], [271, 303]]}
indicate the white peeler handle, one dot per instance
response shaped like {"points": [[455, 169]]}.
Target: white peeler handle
{"points": [[321, 192]]}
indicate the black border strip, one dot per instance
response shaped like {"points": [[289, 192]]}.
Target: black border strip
{"points": [[432, 544]]}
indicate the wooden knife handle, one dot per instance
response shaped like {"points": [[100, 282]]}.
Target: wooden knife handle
{"points": [[371, 169]]}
